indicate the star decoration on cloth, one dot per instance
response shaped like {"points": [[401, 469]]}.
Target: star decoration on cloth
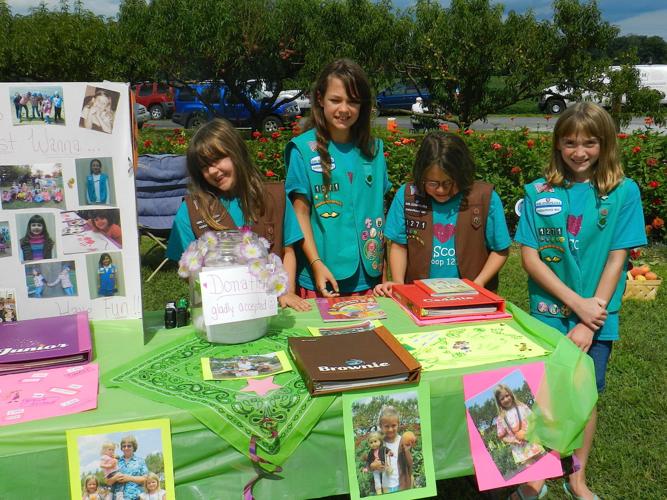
{"points": [[260, 386]]}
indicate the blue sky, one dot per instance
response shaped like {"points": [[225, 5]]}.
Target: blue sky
{"points": [[640, 17]]}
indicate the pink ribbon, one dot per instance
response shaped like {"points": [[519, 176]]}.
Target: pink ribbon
{"points": [[256, 460]]}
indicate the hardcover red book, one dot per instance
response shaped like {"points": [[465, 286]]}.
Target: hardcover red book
{"points": [[425, 306], [40, 343]]}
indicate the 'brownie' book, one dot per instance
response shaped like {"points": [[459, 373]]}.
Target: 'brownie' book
{"points": [[40, 343], [338, 363]]}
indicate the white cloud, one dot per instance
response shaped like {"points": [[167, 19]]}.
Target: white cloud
{"points": [[649, 23]]}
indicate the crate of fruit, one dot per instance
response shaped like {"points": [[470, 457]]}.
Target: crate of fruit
{"points": [[641, 284]]}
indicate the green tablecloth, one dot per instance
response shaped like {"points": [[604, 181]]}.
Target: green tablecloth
{"points": [[33, 454]]}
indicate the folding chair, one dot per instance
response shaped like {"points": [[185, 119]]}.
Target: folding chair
{"points": [[161, 183]]}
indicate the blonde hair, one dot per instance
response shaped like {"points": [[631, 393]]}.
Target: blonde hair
{"points": [[155, 477], [588, 119], [108, 444], [215, 141], [388, 411], [131, 440], [374, 435], [85, 483], [496, 394]]}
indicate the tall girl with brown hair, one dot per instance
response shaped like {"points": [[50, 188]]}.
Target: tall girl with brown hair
{"points": [[337, 179]]}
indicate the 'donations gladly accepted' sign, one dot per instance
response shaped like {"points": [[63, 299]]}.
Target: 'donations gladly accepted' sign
{"points": [[233, 294]]}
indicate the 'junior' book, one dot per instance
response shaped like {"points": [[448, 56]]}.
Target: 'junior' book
{"points": [[39, 343]]}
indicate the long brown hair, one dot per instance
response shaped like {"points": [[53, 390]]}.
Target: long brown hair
{"points": [[214, 141], [451, 154], [357, 87], [587, 119]]}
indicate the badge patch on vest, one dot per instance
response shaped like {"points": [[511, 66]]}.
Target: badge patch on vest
{"points": [[543, 187], [548, 206], [574, 224], [316, 164], [327, 188], [476, 220], [415, 224]]}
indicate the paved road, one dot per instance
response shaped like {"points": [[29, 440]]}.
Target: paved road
{"points": [[493, 122]]}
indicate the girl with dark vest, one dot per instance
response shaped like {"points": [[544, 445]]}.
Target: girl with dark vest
{"points": [[226, 191], [577, 226], [337, 179], [36, 244], [444, 224]]}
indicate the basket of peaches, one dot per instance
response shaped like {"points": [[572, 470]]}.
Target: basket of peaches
{"points": [[642, 283]]}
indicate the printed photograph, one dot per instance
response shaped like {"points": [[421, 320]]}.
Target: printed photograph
{"points": [[5, 240], [388, 443], [95, 230], [48, 280], [105, 272], [35, 104], [366, 326], [500, 415], [36, 233], [99, 109], [95, 183], [31, 186], [122, 461], [251, 366], [8, 312]]}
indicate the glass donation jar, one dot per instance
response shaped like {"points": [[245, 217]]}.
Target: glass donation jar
{"points": [[224, 255]]}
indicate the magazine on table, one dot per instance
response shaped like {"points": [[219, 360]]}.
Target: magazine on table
{"points": [[349, 308]]}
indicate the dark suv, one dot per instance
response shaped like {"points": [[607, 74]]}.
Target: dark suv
{"points": [[157, 97], [191, 111], [401, 95]]}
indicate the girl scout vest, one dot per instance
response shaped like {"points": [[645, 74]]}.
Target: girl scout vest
{"points": [[269, 226], [91, 187], [470, 242], [556, 237], [347, 215]]}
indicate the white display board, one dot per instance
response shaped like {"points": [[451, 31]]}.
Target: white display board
{"points": [[68, 224]]}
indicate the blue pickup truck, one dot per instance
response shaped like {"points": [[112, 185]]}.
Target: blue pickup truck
{"points": [[190, 111]]}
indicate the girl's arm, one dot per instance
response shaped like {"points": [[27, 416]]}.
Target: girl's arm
{"points": [[494, 262], [320, 271], [591, 312], [398, 264], [581, 334], [291, 299]]}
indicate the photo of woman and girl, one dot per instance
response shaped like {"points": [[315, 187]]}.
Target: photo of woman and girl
{"points": [[99, 108], [31, 186], [227, 191], [386, 456]]}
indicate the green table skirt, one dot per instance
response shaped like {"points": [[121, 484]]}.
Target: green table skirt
{"points": [[33, 457]]}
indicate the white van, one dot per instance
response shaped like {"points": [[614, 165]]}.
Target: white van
{"points": [[554, 101]]}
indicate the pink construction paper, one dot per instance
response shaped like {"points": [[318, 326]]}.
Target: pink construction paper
{"points": [[260, 386], [40, 394], [488, 475]]}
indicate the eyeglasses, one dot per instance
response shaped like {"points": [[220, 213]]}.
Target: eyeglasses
{"points": [[126, 446], [446, 185]]}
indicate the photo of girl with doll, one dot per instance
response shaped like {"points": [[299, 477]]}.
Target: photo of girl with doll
{"points": [[389, 454], [98, 110]]}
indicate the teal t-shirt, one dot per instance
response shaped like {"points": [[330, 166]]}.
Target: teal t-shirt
{"points": [[181, 234], [297, 183], [628, 233], [444, 263]]}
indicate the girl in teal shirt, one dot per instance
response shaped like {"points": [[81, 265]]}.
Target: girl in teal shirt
{"points": [[577, 226]]}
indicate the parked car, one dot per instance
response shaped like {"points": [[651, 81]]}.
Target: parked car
{"points": [[157, 97], [141, 114], [401, 95], [303, 100], [554, 100], [190, 111]]}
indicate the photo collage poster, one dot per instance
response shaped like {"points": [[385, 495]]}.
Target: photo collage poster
{"points": [[68, 225]]}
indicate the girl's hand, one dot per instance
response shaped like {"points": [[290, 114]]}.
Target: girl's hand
{"points": [[376, 465], [383, 289], [591, 312], [291, 299], [582, 336], [323, 276]]}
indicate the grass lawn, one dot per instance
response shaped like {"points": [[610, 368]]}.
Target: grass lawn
{"points": [[627, 459]]}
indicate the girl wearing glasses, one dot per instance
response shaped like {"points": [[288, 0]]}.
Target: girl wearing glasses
{"points": [[444, 224]]}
